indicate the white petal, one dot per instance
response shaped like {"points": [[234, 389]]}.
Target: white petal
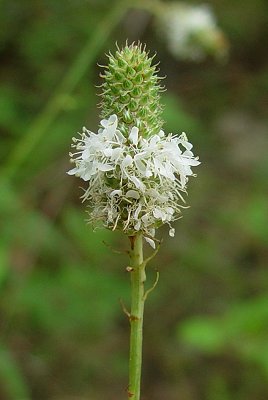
{"points": [[184, 141], [117, 192], [158, 214], [172, 232], [136, 215], [86, 153], [116, 153], [112, 120], [140, 165], [86, 176], [105, 167], [191, 161], [134, 135], [152, 192], [154, 139], [108, 152], [150, 241], [133, 193], [104, 122], [127, 161], [73, 171], [137, 226], [121, 138], [188, 153], [170, 210], [152, 232], [145, 219], [137, 183]]}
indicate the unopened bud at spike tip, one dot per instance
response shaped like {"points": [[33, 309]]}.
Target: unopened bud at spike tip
{"points": [[129, 78]]}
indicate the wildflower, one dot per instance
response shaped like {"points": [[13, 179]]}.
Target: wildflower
{"points": [[134, 183], [136, 174], [191, 31]]}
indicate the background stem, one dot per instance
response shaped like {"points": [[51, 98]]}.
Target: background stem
{"points": [[57, 102], [136, 317]]}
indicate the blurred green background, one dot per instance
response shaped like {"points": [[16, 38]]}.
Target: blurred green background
{"points": [[63, 335]]}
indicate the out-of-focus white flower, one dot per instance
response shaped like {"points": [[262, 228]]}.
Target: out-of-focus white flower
{"points": [[134, 183], [191, 31]]}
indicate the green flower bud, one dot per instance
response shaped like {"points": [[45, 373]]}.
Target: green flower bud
{"points": [[131, 90]]}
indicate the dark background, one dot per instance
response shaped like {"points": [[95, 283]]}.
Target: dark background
{"points": [[63, 334]]}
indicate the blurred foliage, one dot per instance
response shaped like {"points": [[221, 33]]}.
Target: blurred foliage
{"points": [[63, 335], [243, 330]]}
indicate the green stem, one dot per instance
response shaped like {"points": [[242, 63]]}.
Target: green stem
{"points": [[156, 7], [136, 316], [57, 102]]}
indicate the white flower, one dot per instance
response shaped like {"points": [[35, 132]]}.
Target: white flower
{"points": [[134, 183], [191, 31]]}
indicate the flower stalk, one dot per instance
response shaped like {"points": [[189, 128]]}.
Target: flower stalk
{"points": [[135, 173], [138, 278]]}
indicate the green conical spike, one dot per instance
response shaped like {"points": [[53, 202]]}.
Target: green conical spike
{"points": [[131, 90]]}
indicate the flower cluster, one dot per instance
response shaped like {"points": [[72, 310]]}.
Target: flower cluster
{"points": [[191, 31], [134, 183]]}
